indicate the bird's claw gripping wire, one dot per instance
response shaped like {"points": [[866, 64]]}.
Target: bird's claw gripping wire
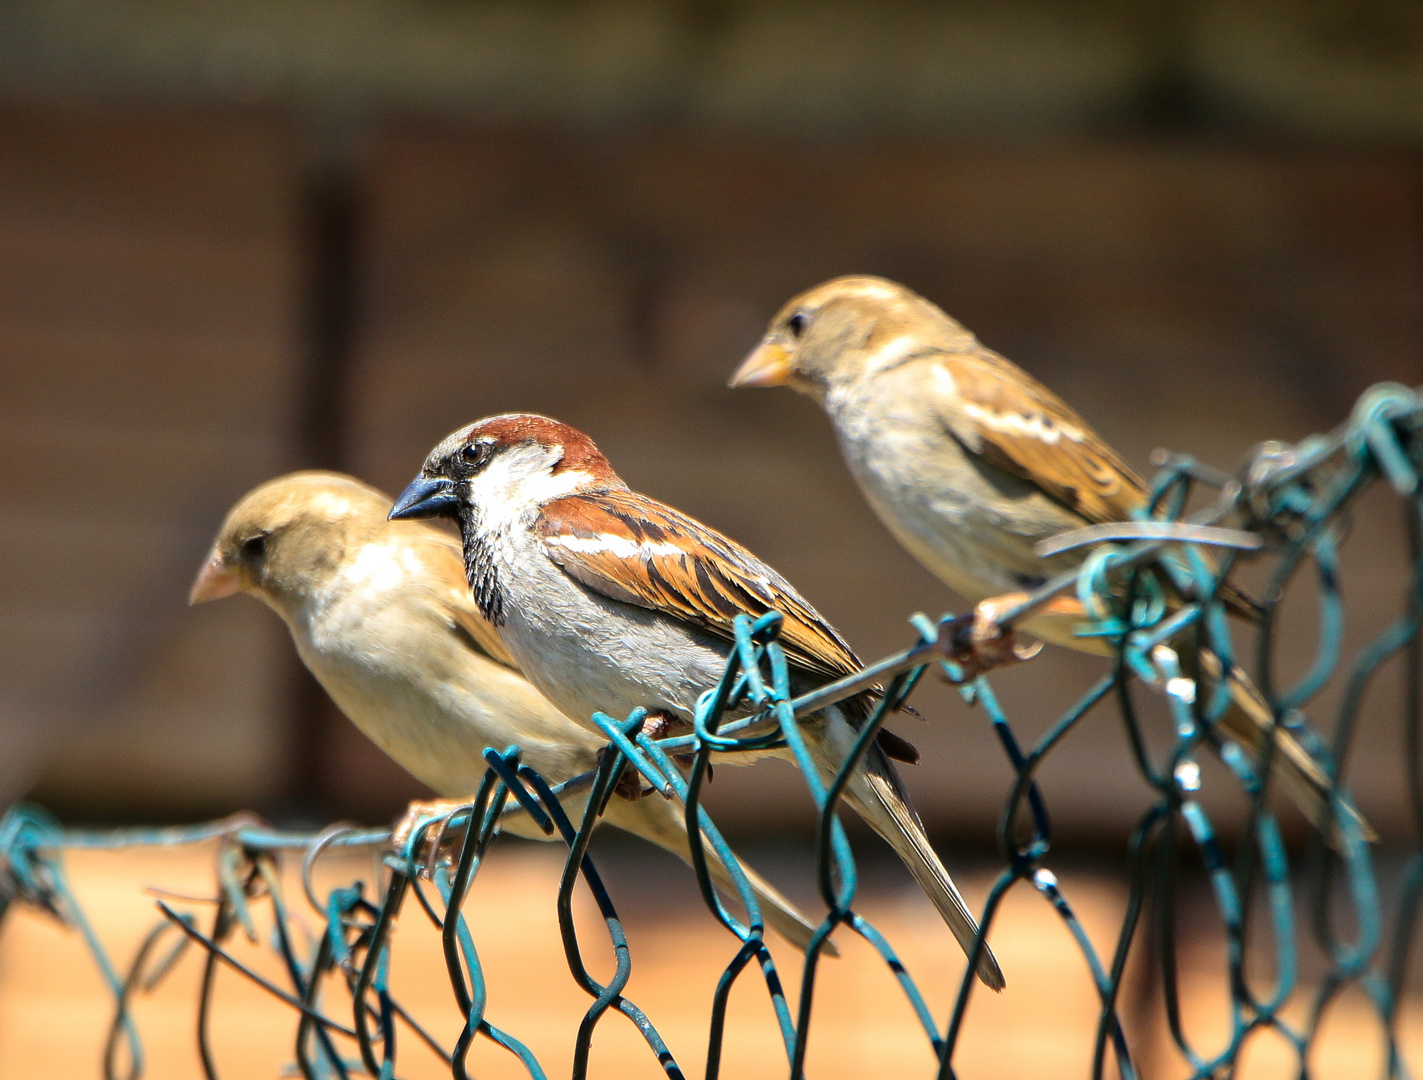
{"points": [[629, 785], [421, 835], [978, 642], [634, 782]]}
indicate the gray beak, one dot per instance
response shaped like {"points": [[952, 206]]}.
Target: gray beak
{"points": [[426, 497]]}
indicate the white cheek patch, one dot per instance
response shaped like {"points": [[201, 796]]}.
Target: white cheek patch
{"points": [[523, 476], [618, 546], [1032, 427], [515, 467], [893, 351], [374, 568], [549, 487]]}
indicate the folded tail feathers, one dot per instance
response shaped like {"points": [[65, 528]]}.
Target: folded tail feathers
{"points": [[1247, 720], [780, 914], [885, 807], [661, 822]]}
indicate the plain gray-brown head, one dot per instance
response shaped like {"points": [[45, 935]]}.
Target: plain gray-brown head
{"points": [[283, 538], [845, 330]]}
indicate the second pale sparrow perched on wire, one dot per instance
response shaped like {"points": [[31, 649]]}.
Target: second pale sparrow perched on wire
{"points": [[970, 462], [382, 615], [610, 600]]}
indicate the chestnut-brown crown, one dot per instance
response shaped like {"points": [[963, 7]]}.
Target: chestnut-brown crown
{"points": [[484, 439]]}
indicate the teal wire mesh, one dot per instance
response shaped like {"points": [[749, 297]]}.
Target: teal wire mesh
{"points": [[1292, 503]]}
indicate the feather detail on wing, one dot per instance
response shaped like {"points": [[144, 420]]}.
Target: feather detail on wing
{"points": [[1001, 413], [632, 548], [1012, 421], [897, 747]]}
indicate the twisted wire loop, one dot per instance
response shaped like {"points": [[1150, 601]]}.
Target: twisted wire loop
{"points": [[1153, 590]]}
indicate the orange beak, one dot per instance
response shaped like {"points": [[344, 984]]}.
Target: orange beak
{"points": [[768, 365], [214, 581]]}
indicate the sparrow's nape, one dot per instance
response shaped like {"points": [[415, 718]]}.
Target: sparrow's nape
{"points": [[426, 497]]}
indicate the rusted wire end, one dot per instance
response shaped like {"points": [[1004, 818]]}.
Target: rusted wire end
{"points": [[977, 644]]}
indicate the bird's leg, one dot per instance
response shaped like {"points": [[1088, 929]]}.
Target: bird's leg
{"points": [[660, 724], [629, 783], [437, 813], [978, 643], [665, 725]]}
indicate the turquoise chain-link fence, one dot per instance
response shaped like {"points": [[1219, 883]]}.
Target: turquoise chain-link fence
{"points": [[1288, 507]]}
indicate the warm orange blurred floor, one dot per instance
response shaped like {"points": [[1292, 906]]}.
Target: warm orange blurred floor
{"points": [[54, 1011]]}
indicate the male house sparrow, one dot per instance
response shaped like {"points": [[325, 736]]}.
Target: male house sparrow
{"points": [[970, 462], [381, 614], [609, 600]]}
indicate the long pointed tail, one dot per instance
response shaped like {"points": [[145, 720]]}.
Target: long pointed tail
{"points": [[660, 822], [1293, 769], [878, 795], [1247, 721]]}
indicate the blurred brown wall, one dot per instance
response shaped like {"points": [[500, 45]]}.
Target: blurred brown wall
{"points": [[147, 301], [1180, 292]]}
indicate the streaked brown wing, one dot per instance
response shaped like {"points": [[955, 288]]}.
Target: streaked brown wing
{"points": [[1000, 412], [1012, 420], [635, 549]]}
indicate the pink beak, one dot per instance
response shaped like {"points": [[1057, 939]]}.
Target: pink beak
{"points": [[214, 581]]}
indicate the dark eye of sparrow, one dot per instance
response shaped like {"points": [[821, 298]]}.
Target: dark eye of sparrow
{"points": [[478, 453], [797, 324], [254, 547]]}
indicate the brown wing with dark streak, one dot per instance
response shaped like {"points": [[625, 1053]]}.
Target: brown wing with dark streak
{"points": [[1022, 427], [1001, 412], [635, 549]]}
